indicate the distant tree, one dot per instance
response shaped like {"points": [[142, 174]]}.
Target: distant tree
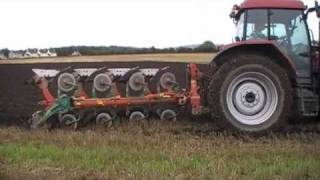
{"points": [[184, 50], [207, 46], [5, 52], [153, 49], [171, 50], [168, 50], [64, 51]]}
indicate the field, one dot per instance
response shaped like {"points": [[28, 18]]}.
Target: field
{"points": [[156, 150], [186, 149]]}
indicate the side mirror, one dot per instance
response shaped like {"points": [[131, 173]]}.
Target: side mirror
{"points": [[316, 9], [316, 6], [234, 11]]}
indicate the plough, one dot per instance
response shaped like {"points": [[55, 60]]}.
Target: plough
{"points": [[104, 94]]}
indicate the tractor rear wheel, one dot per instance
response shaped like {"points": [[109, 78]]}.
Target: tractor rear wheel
{"points": [[250, 93]]}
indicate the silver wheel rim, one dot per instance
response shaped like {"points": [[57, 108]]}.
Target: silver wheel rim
{"points": [[104, 118], [136, 116], [66, 82], [102, 82], [252, 98], [137, 81], [168, 115], [68, 120], [167, 80]]}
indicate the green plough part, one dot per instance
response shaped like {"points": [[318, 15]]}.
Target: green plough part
{"points": [[62, 104]]}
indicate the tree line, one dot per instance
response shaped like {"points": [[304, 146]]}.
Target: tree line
{"points": [[207, 46]]}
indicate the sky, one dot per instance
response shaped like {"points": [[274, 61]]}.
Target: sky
{"points": [[140, 23]]}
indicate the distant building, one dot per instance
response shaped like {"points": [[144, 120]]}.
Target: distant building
{"points": [[43, 53], [3, 56], [76, 53], [35, 53], [31, 53], [52, 53], [16, 54]]}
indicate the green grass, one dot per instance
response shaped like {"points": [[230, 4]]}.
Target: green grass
{"points": [[102, 159], [161, 151]]}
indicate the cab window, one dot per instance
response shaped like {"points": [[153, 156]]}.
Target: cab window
{"points": [[257, 24], [289, 31]]}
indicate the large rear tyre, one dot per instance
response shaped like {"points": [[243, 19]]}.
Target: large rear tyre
{"points": [[250, 93]]}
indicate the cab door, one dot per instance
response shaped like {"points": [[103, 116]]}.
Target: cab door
{"points": [[288, 29]]}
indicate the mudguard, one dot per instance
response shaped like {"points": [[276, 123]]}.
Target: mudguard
{"points": [[266, 47]]}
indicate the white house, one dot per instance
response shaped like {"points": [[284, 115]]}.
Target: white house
{"points": [[46, 53], [52, 53], [16, 54], [31, 53], [36, 53], [76, 53], [42, 52]]}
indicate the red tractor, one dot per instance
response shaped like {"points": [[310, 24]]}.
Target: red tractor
{"points": [[271, 73]]}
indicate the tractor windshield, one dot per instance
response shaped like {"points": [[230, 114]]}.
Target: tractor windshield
{"points": [[287, 28]]}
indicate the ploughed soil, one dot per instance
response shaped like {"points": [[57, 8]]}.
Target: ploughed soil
{"points": [[19, 100]]}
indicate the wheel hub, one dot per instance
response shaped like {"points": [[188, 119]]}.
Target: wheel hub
{"points": [[252, 98], [249, 98]]}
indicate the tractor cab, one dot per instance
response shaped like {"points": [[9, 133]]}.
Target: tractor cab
{"points": [[280, 21]]}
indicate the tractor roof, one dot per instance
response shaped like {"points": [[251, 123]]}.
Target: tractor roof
{"points": [[277, 4]]}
